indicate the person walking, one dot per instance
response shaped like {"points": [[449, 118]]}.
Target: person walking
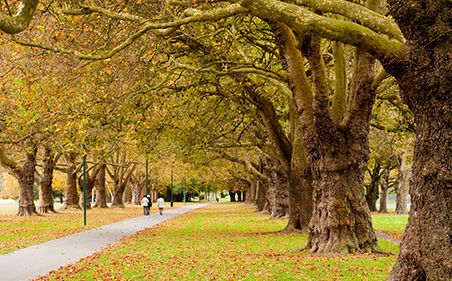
{"points": [[160, 204], [144, 203], [149, 204]]}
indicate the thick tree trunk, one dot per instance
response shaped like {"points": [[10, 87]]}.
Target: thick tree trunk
{"points": [[101, 200], [45, 203], [251, 192], [127, 196], [232, 196], [70, 198], [118, 191], [277, 194], [384, 185], [401, 188], [300, 188], [426, 248], [138, 184], [300, 180], [372, 193], [26, 177], [261, 194], [338, 155], [425, 78]]}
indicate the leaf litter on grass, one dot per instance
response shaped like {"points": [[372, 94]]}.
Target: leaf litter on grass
{"points": [[219, 242]]}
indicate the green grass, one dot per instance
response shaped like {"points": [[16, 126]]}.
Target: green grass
{"points": [[222, 242], [20, 232], [390, 223]]}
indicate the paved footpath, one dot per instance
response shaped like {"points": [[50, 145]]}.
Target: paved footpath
{"points": [[39, 260]]}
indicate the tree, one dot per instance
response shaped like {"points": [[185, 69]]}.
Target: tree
{"points": [[25, 175], [15, 24], [421, 66]]}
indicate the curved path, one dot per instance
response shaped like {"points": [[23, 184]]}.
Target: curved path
{"points": [[39, 260]]}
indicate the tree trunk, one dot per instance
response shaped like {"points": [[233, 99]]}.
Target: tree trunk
{"points": [[232, 196], [261, 194], [384, 185], [426, 247], [45, 203], [26, 177], [300, 188], [401, 188], [126, 197], [70, 198], [372, 193], [425, 78], [251, 192], [118, 191], [138, 184], [300, 181], [101, 200]]}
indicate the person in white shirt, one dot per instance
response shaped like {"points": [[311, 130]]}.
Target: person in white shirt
{"points": [[160, 204], [144, 203]]}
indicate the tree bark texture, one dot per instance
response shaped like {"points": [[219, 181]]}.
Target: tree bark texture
{"points": [[401, 188], [45, 203], [277, 193], [71, 198], [372, 193], [26, 177], [99, 184], [127, 196], [384, 186], [425, 78], [138, 184], [261, 194]]}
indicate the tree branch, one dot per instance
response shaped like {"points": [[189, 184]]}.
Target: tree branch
{"points": [[19, 22]]}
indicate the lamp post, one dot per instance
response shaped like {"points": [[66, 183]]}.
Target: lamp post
{"points": [[84, 186], [185, 191], [147, 190], [172, 184]]}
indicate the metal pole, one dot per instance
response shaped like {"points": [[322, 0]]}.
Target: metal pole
{"points": [[84, 185], [185, 191], [147, 190], [171, 185]]}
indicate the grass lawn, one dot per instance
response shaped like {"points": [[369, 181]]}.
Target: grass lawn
{"points": [[20, 232], [391, 224], [227, 241]]}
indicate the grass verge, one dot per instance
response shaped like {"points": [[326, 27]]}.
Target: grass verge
{"points": [[220, 242], [20, 232]]}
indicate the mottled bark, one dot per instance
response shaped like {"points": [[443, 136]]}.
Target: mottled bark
{"points": [[425, 79], [251, 192], [372, 192], [127, 196], [26, 177], [384, 186], [401, 188], [138, 184], [71, 198], [99, 185], [278, 190], [261, 194], [44, 180]]}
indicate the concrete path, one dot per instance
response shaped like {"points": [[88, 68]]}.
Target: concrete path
{"points": [[39, 260]]}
